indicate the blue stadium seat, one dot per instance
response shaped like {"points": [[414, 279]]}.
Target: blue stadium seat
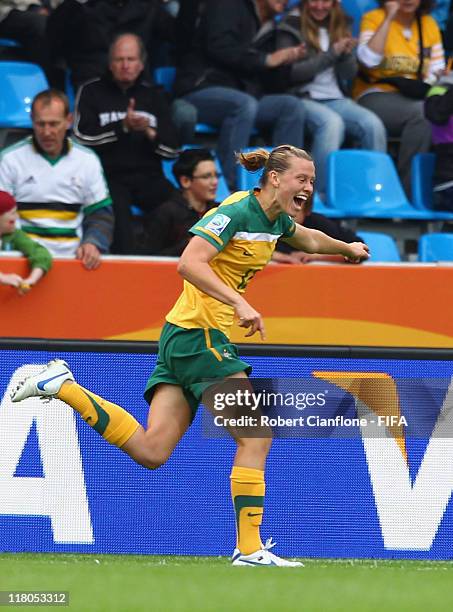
{"points": [[246, 180], [19, 83], [366, 184], [382, 246], [322, 209], [435, 247], [422, 172], [165, 76], [355, 9]]}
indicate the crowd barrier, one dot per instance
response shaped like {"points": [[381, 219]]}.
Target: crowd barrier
{"points": [[368, 305], [333, 492]]}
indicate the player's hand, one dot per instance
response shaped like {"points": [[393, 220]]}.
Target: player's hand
{"points": [[250, 318], [89, 255], [357, 252]]}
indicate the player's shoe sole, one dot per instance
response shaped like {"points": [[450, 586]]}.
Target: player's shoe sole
{"points": [[45, 384]]}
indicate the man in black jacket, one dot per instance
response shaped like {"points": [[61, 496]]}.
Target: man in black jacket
{"points": [[80, 32], [128, 121], [233, 76]]}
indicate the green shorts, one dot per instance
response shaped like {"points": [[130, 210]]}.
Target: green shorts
{"points": [[193, 359]]}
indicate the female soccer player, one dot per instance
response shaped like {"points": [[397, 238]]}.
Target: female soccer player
{"points": [[230, 244]]}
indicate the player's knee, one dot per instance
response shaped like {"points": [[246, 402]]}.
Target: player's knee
{"points": [[153, 459], [258, 446]]}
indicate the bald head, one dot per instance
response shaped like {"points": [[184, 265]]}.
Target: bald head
{"points": [[127, 58]]}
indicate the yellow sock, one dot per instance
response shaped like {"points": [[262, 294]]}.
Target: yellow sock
{"points": [[247, 491], [111, 421]]}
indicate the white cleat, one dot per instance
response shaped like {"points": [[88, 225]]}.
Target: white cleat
{"points": [[45, 384], [263, 557]]}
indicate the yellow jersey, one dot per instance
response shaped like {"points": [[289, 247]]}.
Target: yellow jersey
{"points": [[245, 239], [401, 52]]}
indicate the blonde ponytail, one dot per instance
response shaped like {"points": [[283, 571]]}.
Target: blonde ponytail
{"points": [[253, 160], [278, 159]]}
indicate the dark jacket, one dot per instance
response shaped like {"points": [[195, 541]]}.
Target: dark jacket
{"points": [[168, 226], [304, 71], [82, 32], [100, 108], [227, 51]]}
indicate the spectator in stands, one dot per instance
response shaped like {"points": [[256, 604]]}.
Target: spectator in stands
{"points": [[439, 110], [81, 33], [322, 77], [12, 239], [396, 70], [128, 122], [306, 217], [168, 230], [25, 21], [223, 77], [62, 197]]}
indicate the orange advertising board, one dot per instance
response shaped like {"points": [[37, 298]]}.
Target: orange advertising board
{"points": [[406, 305]]}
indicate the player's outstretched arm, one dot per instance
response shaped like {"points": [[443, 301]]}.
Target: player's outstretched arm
{"points": [[314, 241], [194, 267]]}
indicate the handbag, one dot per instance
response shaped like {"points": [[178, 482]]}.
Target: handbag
{"points": [[411, 88]]}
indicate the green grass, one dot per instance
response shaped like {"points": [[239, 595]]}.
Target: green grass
{"points": [[169, 584]]}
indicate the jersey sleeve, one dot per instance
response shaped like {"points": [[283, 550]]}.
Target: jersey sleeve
{"points": [[218, 226]]}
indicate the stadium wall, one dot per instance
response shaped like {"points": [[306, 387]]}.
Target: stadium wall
{"points": [[330, 493], [127, 299]]}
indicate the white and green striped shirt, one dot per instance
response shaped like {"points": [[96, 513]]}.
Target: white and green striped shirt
{"points": [[54, 195]]}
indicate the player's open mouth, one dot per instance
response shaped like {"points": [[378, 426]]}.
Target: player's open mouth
{"points": [[299, 200]]}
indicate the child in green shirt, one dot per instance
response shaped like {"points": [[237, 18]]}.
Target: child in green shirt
{"points": [[12, 239]]}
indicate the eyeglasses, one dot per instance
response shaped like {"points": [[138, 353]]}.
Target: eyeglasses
{"points": [[208, 176]]}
